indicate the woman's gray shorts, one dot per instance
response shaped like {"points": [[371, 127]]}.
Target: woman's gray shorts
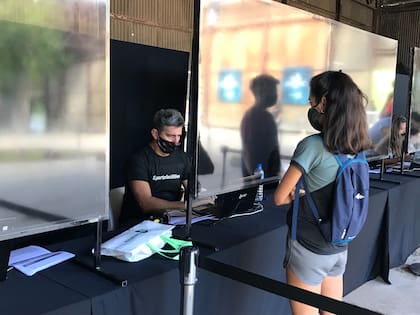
{"points": [[312, 268]]}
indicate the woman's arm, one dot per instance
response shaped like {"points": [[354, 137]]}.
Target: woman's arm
{"points": [[285, 190]]}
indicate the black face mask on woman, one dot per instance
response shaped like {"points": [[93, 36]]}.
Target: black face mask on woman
{"points": [[314, 118], [167, 146]]}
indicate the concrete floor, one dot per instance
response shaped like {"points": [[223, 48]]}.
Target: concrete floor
{"points": [[402, 297]]}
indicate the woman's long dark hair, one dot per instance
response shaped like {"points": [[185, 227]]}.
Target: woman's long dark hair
{"points": [[396, 140], [345, 128]]}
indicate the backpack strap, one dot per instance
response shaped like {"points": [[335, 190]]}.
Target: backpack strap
{"points": [[311, 204], [295, 208], [343, 160]]}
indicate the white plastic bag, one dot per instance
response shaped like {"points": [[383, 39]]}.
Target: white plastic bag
{"points": [[136, 243]]}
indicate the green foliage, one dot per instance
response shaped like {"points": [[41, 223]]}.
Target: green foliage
{"points": [[28, 49]]}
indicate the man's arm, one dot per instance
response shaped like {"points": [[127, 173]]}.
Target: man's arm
{"points": [[149, 204], [185, 185]]}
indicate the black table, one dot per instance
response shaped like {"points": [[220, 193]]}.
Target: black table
{"points": [[401, 226], [254, 243], [39, 295], [366, 253]]}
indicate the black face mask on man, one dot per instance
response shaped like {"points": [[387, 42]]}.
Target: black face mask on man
{"points": [[314, 118], [166, 146]]}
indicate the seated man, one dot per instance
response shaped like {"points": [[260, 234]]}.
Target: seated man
{"points": [[158, 173]]}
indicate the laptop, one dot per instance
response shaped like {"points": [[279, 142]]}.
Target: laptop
{"points": [[235, 202], [415, 163]]}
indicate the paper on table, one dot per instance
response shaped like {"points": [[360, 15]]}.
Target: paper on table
{"points": [[32, 259], [177, 217]]}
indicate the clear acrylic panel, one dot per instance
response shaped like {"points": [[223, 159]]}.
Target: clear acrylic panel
{"points": [[414, 134], [240, 40], [53, 114]]}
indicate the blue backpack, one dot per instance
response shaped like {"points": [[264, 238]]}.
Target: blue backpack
{"points": [[350, 201]]}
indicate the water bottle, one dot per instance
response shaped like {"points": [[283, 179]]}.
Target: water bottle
{"points": [[260, 192]]}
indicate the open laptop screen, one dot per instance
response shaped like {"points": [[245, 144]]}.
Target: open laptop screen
{"points": [[238, 201]]}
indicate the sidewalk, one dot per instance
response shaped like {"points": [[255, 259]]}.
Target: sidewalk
{"points": [[402, 297]]}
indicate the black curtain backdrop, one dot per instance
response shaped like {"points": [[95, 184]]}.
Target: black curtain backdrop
{"points": [[144, 79]]}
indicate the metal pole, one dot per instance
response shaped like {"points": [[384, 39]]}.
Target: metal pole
{"points": [[192, 143], [188, 259], [381, 173], [98, 242], [96, 268], [5, 247]]}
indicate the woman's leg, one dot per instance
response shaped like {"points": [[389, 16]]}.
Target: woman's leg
{"points": [[299, 308], [333, 288]]}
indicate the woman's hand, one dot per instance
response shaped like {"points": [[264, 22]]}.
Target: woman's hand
{"points": [[285, 191], [292, 193]]}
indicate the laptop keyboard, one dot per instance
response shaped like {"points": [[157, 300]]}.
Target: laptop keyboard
{"points": [[204, 209]]}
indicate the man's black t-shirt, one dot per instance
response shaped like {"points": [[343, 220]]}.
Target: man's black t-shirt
{"points": [[259, 142], [164, 175]]}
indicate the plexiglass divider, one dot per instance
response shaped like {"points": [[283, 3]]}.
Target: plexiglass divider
{"points": [[53, 114], [242, 40], [54, 124]]}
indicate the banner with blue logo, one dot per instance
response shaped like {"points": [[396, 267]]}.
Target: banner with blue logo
{"points": [[229, 86], [295, 85]]}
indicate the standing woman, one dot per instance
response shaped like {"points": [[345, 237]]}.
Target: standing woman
{"points": [[338, 112]]}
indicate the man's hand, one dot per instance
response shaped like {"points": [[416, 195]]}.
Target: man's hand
{"points": [[149, 204]]}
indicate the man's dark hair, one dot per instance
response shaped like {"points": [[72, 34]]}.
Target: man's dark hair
{"points": [[167, 117], [260, 84], [264, 88]]}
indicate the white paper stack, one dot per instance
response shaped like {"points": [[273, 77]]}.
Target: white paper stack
{"points": [[32, 259], [177, 217]]}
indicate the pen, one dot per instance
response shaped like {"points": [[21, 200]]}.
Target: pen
{"points": [[31, 258], [41, 259], [135, 235]]}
